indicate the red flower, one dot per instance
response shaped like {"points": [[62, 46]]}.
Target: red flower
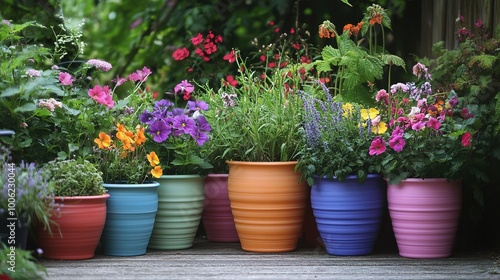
{"points": [[292, 30], [180, 54], [230, 81], [262, 58], [218, 39], [210, 47], [230, 57], [466, 139], [296, 46], [196, 40], [272, 65]]}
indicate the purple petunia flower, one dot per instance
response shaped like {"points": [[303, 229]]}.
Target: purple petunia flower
{"points": [[200, 137], [160, 131], [146, 117], [163, 105], [197, 105], [203, 124], [183, 124]]}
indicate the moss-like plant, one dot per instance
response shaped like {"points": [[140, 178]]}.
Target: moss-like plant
{"points": [[75, 178]]}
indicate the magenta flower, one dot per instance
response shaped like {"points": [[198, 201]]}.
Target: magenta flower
{"points": [[466, 139], [183, 86], [418, 126], [140, 75], [434, 123], [377, 146], [65, 78], [382, 95], [397, 143], [102, 95], [119, 81]]}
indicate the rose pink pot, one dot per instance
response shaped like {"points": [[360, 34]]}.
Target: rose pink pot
{"points": [[217, 217], [425, 214]]}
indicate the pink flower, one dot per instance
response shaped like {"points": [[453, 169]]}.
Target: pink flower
{"points": [[102, 95], [230, 57], [140, 75], [377, 146], [119, 81], [418, 126], [466, 139], [434, 123], [180, 54], [397, 143], [65, 78], [100, 64], [183, 87], [196, 40], [382, 95], [33, 73]]}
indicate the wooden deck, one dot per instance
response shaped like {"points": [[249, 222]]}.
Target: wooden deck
{"points": [[208, 260]]}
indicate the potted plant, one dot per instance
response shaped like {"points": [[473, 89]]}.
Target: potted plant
{"points": [[425, 153], [348, 193], [258, 114], [26, 199], [78, 195], [178, 129], [127, 165]]}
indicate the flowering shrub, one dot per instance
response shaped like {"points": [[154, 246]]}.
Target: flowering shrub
{"points": [[179, 130], [337, 136], [430, 134]]}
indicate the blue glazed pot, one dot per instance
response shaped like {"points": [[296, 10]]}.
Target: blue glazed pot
{"points": [[131, 212], [348, 214]]}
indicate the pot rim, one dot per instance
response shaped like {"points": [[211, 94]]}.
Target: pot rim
{"points": [[236, 162]]}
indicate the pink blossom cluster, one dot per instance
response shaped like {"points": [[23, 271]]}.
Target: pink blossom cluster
{"points": [[33, 73], [99, 64], [49, 104], [102, 95]]}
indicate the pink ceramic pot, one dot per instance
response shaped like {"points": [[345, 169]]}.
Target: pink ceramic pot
{"points": [[425, 214], [217, 216]]}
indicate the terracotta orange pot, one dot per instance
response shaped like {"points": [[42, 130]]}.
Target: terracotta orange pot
{"points": [[268, 204], [80, 221]]}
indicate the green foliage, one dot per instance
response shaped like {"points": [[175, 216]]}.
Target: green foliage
{"points": [[338, 137], [26, 266], [259, 119], [75, 177], [351, 64]]}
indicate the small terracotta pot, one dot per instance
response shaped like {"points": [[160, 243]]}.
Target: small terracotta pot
{"points": [[80, 221]]}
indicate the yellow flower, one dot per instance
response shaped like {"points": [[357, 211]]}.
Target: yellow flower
{"points": [[347, 108], [153, 159], [369, 114], [157, 171], [104, 140], [379, 128]]}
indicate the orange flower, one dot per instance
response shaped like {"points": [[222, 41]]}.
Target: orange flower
{"points": [[157, 171], [326, 30], [104, 140], [153, 159], [376, 18], [139, 136]]}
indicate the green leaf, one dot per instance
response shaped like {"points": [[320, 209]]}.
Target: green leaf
{"points": [[26, 107], [346, 2], [10, 92]]}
